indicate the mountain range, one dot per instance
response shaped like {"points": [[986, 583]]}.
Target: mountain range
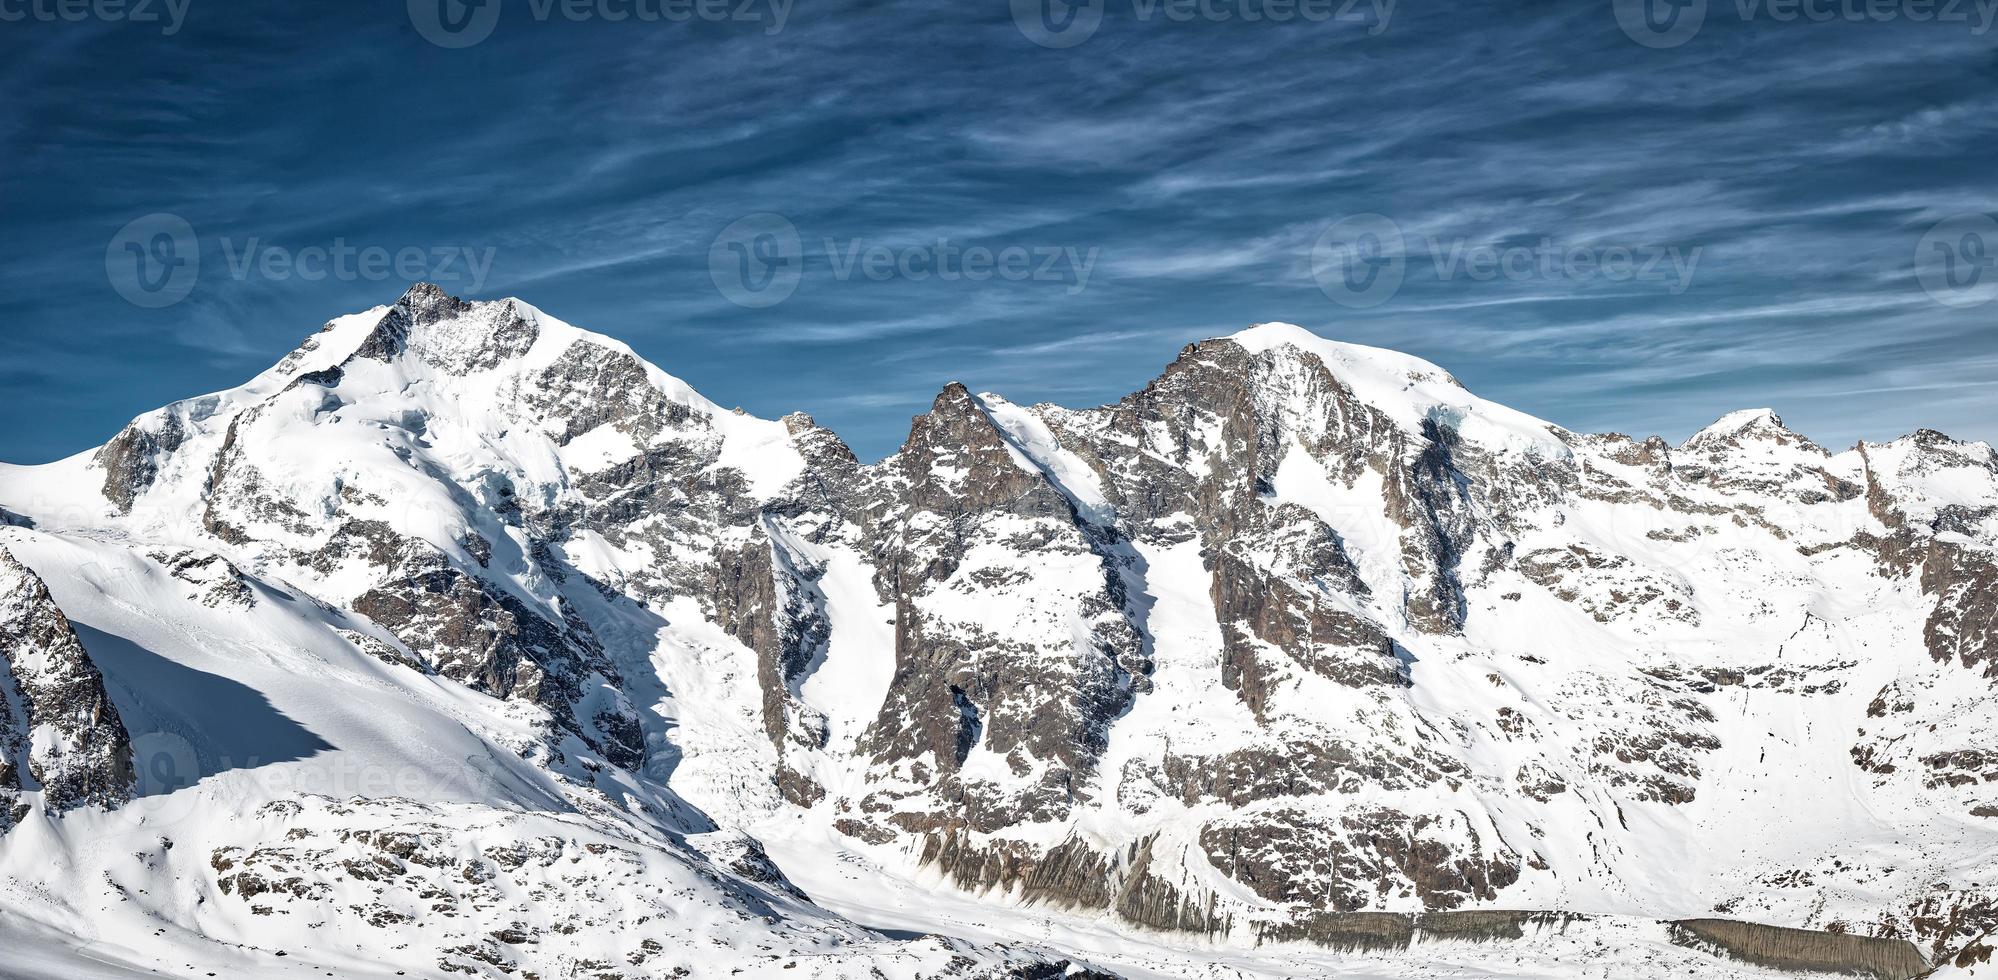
{"points": [[463, 641]]}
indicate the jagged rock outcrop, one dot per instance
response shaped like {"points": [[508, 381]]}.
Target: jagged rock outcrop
{"points": [[1013, 637], [131, 460], [479, 635], [60, 735]]}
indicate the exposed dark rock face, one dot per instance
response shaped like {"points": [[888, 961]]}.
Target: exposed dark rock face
{"points": [[131, 460], [473, 632], [1297, 858], [422, 305], [1356, 932], [1260, 612], [1976, 953], [1059, 970], [1302, 768], [1802, 949], [963, 526], [1946, 921], [591, 385], [1488, 925], [775, 608], [1964, 625], [1568, 573], [1073, 875], [216, 580], [482, 335], [59, 733], [1946, 543], [1394, 931], [1429, 498]]}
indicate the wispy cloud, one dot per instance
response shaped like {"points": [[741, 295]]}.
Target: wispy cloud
{"points": [[1197, 162]]}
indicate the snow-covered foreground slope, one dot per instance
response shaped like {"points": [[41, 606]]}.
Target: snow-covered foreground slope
{"points": [[464, 640]]}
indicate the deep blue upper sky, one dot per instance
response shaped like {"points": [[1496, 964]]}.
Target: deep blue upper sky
{"points": [[1192, 166]]}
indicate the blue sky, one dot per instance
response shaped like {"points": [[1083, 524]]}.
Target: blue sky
{"points": [[1173, 176]]}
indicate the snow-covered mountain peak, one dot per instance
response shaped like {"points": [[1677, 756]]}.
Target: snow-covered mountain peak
{"points": [[1411, 391], [1752, 450], [497, 370], [1927, 473], [1358, 357], [481, 393], [1747, 418], [451, 333], [1757, 424]]}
